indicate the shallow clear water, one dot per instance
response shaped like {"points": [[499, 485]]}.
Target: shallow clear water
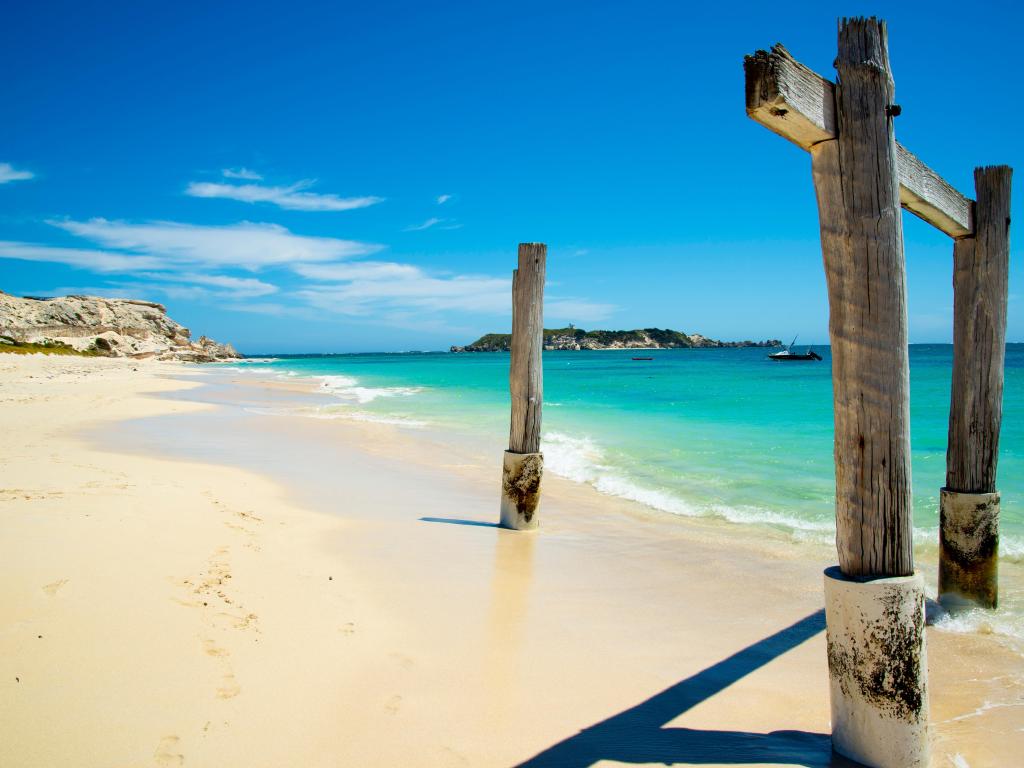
{"points": [[710, 432]]}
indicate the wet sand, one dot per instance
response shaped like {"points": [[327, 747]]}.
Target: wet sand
{"points": [[215, 587]]}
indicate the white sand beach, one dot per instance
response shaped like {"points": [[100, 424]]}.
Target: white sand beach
{"points": [[208, 588]]}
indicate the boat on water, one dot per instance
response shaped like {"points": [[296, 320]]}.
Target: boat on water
{"points": [[788, 355], [643, 358]]}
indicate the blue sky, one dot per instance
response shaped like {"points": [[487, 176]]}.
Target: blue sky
{"points": [[351, 177]]}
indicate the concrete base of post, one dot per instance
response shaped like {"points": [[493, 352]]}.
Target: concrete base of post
{"points": [[968, 550], [877, 669], [520, 490]]}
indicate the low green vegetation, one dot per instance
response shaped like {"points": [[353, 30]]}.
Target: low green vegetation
{"points": [[45, 347]]}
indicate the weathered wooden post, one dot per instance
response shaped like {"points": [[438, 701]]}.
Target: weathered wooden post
{"points": [[874, 601], [524, 464], [969, 504]]}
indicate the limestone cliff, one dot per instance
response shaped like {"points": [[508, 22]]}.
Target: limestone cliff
{"points": [[114, 327], [642, 338]]}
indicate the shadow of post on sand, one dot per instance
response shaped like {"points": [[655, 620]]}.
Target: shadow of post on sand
{"points": [[458, 521], [637, 735]]}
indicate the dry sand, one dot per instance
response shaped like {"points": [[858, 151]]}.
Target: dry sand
{"points": [[345, 602]]}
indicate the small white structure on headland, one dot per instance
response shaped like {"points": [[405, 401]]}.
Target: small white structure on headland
{"points": [[874, 600]]}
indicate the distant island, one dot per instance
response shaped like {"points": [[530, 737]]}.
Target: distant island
{"points": [[577, 339]]}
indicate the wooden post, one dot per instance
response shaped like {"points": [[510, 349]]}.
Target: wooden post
{"points": [[862, 244], [874, 602], [523, 463], [969, 504]]}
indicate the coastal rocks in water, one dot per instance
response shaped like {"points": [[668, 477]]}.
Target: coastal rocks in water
{"points": [[113, 327], [576, 339]]}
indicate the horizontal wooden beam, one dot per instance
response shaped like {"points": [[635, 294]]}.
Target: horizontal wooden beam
{"points": [[799, 104]]}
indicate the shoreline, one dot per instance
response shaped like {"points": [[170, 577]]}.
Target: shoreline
{"points": [[771, 532], [432, 632]]}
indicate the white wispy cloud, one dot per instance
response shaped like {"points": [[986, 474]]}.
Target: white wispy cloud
{"points": [[241, 173], [224, 285], [422, 293], [291, 197], [442, 199], [394, 291], [95, 261], [431, 222], [357, 270], [183, 286], [249, 246], [10, 173]]}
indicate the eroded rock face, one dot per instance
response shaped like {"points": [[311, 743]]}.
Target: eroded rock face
{"points": [[115, 327]]}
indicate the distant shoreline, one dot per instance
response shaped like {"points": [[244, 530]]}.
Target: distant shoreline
{"points": [[577, 339], [283, 355]]}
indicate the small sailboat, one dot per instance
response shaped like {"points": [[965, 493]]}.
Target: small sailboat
{"points": [[788, 355]]}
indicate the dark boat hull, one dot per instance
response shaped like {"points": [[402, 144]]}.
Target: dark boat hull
{"points": [[794, 358]]}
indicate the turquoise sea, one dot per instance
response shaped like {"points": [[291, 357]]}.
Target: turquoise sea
{"points": [[723, 433]]}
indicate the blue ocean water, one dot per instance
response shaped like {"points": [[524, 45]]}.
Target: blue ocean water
{"points": [[701, 432]]}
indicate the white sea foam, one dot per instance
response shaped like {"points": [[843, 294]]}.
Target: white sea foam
{"points": [[343, 413], [252, 369], [376, 418], [978, 621], [1011, 548], [582, 460], [348, 388]]}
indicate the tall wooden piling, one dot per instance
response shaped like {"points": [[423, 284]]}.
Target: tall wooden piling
{"points": [[969, 504], [857, 185], [874, 602], [523, 463]]}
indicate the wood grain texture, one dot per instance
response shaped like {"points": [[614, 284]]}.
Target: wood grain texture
{"points": [[526, 372], [855, 178], [797, 103], [788, 98], [980, 285]]}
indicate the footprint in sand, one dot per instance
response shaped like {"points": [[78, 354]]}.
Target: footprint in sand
{"points": [[348, 629], [393, 704], [229, 687], [212, 649], [51, 589], [403, 661], [167, 752]]}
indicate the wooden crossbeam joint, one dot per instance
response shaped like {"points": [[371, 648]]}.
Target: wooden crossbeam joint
{"points": [[797, 103]]}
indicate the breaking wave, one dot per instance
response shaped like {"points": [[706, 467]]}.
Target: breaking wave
{"points": [[582, 460], [348, 388]]}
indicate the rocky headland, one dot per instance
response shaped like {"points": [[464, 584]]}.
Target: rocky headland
{"points": [[104, 327], [577, 339]]}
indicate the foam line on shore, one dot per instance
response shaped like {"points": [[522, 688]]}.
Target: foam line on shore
{"points": [[348, 388]]}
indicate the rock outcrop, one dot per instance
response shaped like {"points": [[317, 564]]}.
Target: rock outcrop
{"points": [[642, 338], [113, 327]]}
